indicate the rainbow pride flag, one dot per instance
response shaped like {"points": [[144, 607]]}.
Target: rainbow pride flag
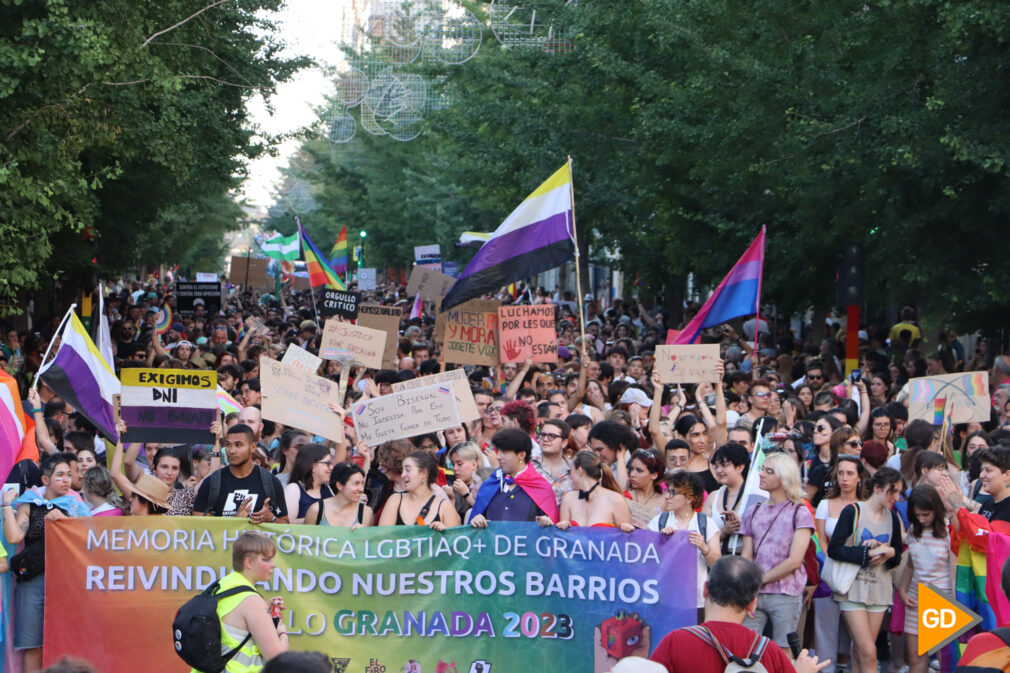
{"points": [[975, 384], [939, 404], [338, 255], [320, 273], [226, 403]]}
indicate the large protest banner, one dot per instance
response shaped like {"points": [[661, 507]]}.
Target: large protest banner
{"points": [[299, 399], [168, 405], [965, 397], [514, 596], [527, 331], [465, 403], [471, 333], [387, 319], [405, 414]]}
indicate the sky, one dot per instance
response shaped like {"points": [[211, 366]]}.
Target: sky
{"points": [[309, 27]]}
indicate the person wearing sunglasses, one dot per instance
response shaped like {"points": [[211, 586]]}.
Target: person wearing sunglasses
{"points": [[815, 376], [822, 458], [759, 397]]}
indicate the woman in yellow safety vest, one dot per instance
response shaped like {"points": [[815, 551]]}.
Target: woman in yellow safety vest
{"points": [[247, 614]]}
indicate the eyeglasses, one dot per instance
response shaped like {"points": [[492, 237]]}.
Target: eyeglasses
{"points": [[493, 411], [549, 436], [324, 462]]}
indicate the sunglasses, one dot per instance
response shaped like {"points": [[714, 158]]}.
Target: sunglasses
{"points": [[853, 443], [821, 428], [762, 395], [818, 377]]}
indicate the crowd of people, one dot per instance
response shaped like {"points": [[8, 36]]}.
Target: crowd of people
{"points": [[594, 440]]}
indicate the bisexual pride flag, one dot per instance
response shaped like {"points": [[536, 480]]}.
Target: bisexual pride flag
{"points": [[738, 294], [535, 237]]}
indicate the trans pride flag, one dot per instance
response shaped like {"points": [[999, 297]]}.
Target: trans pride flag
{"points": [[535, 237], [738, 294]]}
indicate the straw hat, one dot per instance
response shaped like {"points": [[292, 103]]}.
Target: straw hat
{"points": [[153, 489]]}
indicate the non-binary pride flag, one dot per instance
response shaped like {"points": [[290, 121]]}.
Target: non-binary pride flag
{"points": [[281, 247], [535, 237], [338, 255], [320, 273], [738, 294], [81, 376]]}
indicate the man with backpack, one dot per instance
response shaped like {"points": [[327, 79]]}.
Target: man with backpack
{"points": [[721, 642], [228, 628], [242, 488]]}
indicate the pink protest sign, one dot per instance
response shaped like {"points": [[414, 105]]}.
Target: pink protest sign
{"points": [[687, 364]]}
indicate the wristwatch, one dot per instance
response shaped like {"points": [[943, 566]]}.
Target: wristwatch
{"points": [[215, 454]]}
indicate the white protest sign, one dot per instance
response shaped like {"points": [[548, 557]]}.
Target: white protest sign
{"points": [[344, 341], [299, 358], [206, 277], [465, 403], [405, 414], [687, 364], [366, 279]]}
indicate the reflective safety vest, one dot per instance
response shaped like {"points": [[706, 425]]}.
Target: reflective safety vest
{"points": [[248, 659]]}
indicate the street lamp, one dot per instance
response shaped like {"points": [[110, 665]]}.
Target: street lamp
{"points": [[361, 258]]}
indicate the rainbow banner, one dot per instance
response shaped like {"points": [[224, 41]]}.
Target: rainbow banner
{"points": [[338, 255], [320, 273], [375, 599], [939, 405]]}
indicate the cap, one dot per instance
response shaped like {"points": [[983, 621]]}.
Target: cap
{"points": [[307, 324], [198, 302], [863, 336], [635, 396], [152, 489], [178, 327]]}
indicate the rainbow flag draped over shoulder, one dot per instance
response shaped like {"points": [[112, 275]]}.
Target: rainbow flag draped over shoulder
{"points": [[738, 294], [338, 255], [535, 237], [320, 273]]}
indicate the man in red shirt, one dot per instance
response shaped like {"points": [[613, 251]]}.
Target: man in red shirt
{"points": [[730, 594]]}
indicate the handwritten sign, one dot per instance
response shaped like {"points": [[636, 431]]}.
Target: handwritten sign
{"points": [[526, 331], [168, 405], [687, 364], [471, 333], [428, 283], [405, 414], [344, 341], [387, 319], [299, 399], [366, 279], [299, 358], [339, 302], [964, 397], [465, 403], [429, 256]]}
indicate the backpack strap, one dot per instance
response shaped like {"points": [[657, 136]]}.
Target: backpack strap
{"points": [[757, 648], [227, 656], [663, 518], [214, 492], [702, 633], [361, 512], [267, 480], [319, 514]]}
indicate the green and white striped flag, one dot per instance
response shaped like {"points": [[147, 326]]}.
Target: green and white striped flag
{"points": [[282, 247]]}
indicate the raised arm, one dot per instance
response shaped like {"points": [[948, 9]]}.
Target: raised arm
{"points": [[122, 481], [42, 438], [721, 431], [517, 382], [655, 411]]}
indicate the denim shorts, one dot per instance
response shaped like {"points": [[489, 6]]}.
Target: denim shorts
{"points": [[29, 602], [851, 606]]}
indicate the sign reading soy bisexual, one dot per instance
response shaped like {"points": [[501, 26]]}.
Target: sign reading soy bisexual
{"points": [[687, 364], [465, 403], [405, 414], [299, 399], [339, 302], [527, 331], [168, 405], [344, 341], [471, 333]]}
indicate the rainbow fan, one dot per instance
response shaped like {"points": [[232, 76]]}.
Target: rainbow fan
{"points": [[163, 320]]}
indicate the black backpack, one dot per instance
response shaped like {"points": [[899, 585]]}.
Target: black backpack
{"points": [[266, 479], [196, 630]]}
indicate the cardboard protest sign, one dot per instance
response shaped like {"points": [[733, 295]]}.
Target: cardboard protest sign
{"points": [[465, 403], [687, 364], [471, 333], [405, 414], [366, 279], [387, 319], [299, 358], [428, 283], [250, 271], [339, 302], [168, 405], [344, 341], [429, 256], [527, 331], [187, 293], [964, 396], [299, 399]]}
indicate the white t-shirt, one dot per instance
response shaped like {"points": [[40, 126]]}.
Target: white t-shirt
{"points": [[823, 514], [692, 527]]}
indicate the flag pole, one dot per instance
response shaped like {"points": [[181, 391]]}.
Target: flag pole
{"points": [[45, 358], [578, 272], [757, 318], [312, 288]]}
